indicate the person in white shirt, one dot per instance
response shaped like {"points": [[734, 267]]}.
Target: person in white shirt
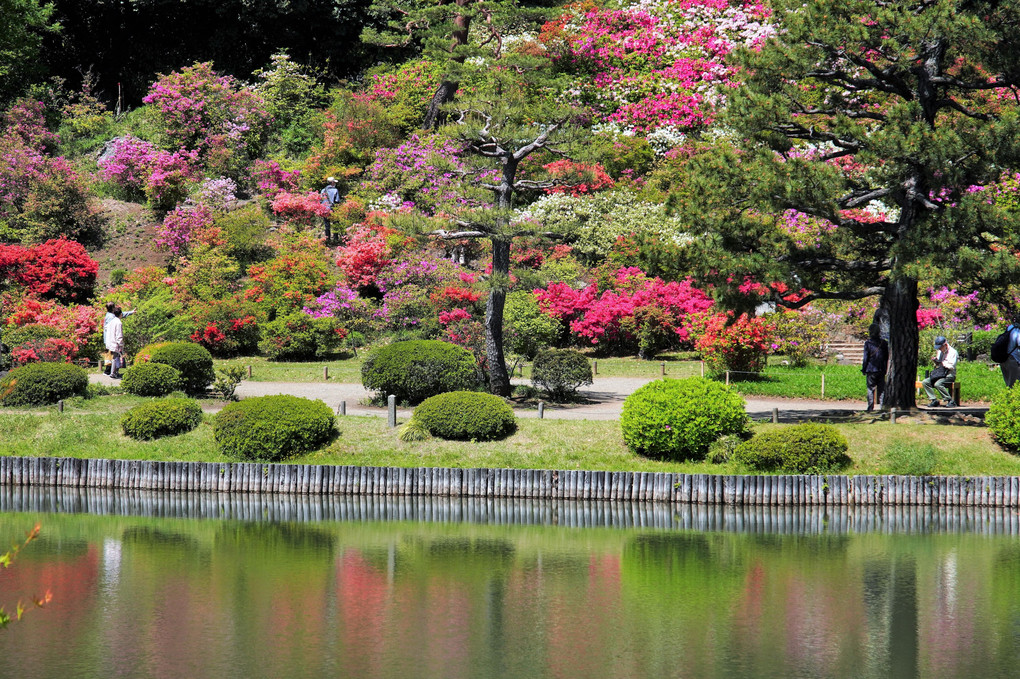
{"points": [[110, 306], [113, 338], [942, 374]]}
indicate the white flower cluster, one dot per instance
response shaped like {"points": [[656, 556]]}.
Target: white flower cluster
{"points": [[386, 203], [664, 138]]}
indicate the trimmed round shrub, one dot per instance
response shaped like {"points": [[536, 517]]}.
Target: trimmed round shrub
{"points": [[152, 379], [193, 361], [679, 419], [1003, 418], [417, 369], [796, 449], [560, 372], [165, 417], [270, 428], [466, 416], [43, 384]]}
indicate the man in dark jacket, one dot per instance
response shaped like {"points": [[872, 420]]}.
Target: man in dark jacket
{"points": [[874, 366]]}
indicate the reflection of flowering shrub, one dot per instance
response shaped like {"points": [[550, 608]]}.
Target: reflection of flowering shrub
{"points": [[743, 345]]}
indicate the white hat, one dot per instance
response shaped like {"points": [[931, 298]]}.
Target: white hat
{"points": [[331, 180]]}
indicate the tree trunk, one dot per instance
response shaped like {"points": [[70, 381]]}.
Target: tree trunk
{"points": [[499, 379], [444, 94], [900, 304]]}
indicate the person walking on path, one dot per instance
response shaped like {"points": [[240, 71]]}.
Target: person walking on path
{"points": [[330, 198], [874, 366], [942, 374], [1011, 366], [110, 306], [113, 338]]}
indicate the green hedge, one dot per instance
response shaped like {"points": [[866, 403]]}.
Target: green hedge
{"points": [[795, 449], [43, 384], [466, 416], [560, 372], [166, 417], [271, 428], [193, 361], [417, 369], [152, 379], [679, 419], [1003, 418]]}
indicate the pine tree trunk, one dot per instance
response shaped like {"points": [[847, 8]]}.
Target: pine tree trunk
{"points": [[899, 303], [499, 379], [444, 94]]}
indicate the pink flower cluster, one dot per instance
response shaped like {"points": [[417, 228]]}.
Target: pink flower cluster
{"points": [[140, 167], [300, 208], [273, 179], [182, 225]]}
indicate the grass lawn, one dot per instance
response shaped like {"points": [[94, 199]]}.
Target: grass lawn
{"points": [[876, 448]]}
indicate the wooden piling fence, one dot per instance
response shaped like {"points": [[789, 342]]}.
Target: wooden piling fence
{"points": [[250, 477]]}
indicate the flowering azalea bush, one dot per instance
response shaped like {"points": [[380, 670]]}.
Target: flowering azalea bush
{"points": [[271, 179], [58, 269], [369, 248], [740, 344], [301, 209], [404, 92], [141, 168], [800, 335], [292, 279], [181, 226], [226, 327], [577, 178]]}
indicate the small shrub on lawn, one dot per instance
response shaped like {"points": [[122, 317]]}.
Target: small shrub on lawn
{"points": [[415, 370], [193, 361], [42, 384], [466, 416], [796, 449], [152, 379], [560, 372], [679, 419], [271, 428], [1003, 418], [166, 417]]}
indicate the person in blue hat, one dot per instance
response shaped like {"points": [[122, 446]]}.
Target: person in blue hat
{"points": [[942, 374]]}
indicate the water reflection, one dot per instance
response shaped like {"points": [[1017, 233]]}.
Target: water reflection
{"points": [[217, 586]]}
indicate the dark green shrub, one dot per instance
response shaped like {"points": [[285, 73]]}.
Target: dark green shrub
{"points": [[1003, 418], [42, 384], [33, 332], [299, 337], [152, 379], [560, 372], [795, 449], [414, 370], [466, 416], [193, 361], [165, 417], [679, 419], [270, 428], [526, 330]]}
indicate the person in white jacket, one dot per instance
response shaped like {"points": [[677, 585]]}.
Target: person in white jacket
{"points": [[943, 373], [113, 338]]}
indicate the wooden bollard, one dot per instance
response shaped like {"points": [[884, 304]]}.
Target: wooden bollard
{"points": [[823, 385], [325, 372], [343, 407], [521, 369], [727, 378], [595, 367], [702, 368], [391, 403], [541, 410], [249, 372], [663, 367], [60, 406], [892, 416], [775, 416]]}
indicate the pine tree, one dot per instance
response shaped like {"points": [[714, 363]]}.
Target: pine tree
{"points": [[877, 122]]}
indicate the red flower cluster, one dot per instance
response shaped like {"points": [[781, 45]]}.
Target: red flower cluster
{"points": [[58, 269]]}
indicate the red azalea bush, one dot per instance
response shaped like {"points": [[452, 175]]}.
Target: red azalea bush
{"points": [[292, 279], [578, 178], [58, 269], [741, 345], [369, 248], [225, 327], [299, 208]]}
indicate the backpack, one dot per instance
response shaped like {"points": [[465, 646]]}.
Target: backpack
{"points": [[1000, 347]]}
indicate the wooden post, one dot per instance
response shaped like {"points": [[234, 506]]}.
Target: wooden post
{"points": [[702, 368], [892, 415], [595, 366], [249, 372], [325, 372], [823, 385], [60, 406], [775, 416], [541, 410], [343, 407], [727, 378], [663, 367], [391, 403]]}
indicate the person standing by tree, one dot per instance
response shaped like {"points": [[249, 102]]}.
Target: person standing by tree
{"points": [[1011, 366], [874, 365], [330, 198]]}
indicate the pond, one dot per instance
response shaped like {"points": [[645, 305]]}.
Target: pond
{"points": [[190, 585]]}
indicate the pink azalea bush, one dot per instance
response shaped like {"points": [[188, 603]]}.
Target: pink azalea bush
{"points": [[139, 167], [301, 209]]}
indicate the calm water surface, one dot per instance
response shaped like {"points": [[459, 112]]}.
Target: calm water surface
{"points": [[189, 586]]}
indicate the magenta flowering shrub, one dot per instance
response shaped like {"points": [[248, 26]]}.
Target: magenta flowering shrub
{"points": [[424, 173], [654, 64], [404, 92], [220, 118], [636, 312], [343, 303], [272, 179], [141, 168], [181, 226], [41, 195], [425, 270], [128, 164]]}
